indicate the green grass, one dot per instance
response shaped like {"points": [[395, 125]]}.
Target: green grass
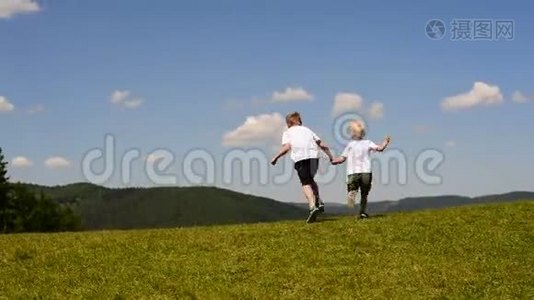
{"points": [[469, 252]]}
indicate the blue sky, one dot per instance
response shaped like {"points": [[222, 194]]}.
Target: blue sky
{"points": [[196, 70]]}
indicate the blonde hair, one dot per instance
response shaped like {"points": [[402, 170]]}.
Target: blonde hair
{"points": [[293, 119], [357, 129]]}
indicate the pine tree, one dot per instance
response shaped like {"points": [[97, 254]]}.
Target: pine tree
{"points": [[4, 193], [22, 210]]}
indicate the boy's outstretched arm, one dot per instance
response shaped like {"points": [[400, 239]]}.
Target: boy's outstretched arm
{"points": [[384, 144], [283, 151], [326, 149]]}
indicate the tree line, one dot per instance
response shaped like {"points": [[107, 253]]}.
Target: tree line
{"points": [[22, 210]]}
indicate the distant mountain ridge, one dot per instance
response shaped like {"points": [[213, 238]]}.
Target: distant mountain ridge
{"points": [[431, 202], [131, 208]]}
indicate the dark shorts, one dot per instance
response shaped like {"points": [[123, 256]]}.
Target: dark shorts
{"points": [[359, 181], [306, 169]]}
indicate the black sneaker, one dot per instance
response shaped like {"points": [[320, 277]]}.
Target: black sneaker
{"points": [[321, 207], [364, 216], [319, 204], [313, 215]]}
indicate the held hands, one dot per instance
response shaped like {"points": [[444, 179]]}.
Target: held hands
{"points": [[336, 161], [333, 161]]}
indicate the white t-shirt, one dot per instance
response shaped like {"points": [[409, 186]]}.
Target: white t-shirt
{"points": [[358, 157], [303, 143]]}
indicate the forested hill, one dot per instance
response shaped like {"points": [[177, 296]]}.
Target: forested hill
{"points": [[105, 208], [130, 208]]}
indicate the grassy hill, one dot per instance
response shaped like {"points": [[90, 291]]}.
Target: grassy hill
{"points": [[482, 251], [103, 208]]}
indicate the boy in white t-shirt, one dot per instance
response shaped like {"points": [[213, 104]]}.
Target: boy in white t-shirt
{"points": [[305, 146], [359, 175]]}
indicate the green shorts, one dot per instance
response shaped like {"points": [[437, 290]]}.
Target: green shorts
{"points": [[359, 181]]}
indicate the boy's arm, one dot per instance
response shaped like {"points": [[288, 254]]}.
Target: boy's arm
{"points": [[326, 149], [322, 146], [384, 144], [283, 151]]}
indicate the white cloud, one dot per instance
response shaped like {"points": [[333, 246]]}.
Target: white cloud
{"points": [[124, 98], [119, 96], [292, 94], [57, 162], [480, 94], [256, 130], [9, 8], [5, 105], [21, 162], [519, 97], [35, 109], [450, 144], [346, 102], [376, 111], [354, 103]]}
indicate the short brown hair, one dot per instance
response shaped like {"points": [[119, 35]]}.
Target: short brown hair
{"points": [[293, 119]]}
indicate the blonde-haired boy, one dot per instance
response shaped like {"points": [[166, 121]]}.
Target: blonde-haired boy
{"points": [[359, 174]]}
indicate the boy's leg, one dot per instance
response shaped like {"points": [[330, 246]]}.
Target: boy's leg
{"points": [[351, 198], [309, 194], [314, 167], [352, 189], [318, 201], [315, 189], [365, 180], [306, 179]]}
